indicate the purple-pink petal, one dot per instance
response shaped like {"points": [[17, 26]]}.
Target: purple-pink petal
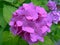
{"points": [[28, 29]]}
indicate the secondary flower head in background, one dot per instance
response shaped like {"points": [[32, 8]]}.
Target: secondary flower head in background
{"points": [[52, 5], [55, 16], [30, 22], [54, 13]]}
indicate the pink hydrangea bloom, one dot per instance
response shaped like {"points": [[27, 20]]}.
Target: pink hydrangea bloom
{"points": [[59, 15], [55, 16], [30, 22], [52, 5], [54, 13]]}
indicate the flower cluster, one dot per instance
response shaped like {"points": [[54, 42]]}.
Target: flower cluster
{"points": [[54, 13], [31, 23], [52, 5]]}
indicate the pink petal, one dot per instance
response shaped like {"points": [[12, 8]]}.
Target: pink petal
{"points": [[28, 29], [11, 23], [33, 37], [41, 11], [19, 23], [28, 6], [29, 17], [20, 12], [13, 30], [30, 11], [45, 29], [49, 24], [41, 39]]}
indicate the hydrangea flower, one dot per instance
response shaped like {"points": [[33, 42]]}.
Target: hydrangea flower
{"points": [[52, 5], [31, 23], [55, 16], [54, 13]]}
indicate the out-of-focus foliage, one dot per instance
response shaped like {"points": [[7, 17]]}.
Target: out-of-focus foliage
{"points": [[41, 3], [10, 39], [7, 12], [11, 1], [2, 21], [15, 1], [55, 32], [7, 7], [47, 41]]}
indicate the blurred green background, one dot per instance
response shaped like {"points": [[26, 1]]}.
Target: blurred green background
{"points": [[7, 7]]}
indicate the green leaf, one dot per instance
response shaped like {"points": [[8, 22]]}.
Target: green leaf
{"points": [[1, 31], [40, 3], [7, 12], [16, 3], [22, 42], [47, 41], [9, 1], [2, 20], [55, 32], [21, 1], [10, 39], [27, 1], [54, 27], [36, 2]]}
